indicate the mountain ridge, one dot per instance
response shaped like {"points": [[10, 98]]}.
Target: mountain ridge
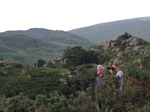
{"points": [[53, 36], [97, 33]]}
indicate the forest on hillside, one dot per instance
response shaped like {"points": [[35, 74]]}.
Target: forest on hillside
{"points": [[67, 84]]}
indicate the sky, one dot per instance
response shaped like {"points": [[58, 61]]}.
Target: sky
{"points": [[67, 14]]}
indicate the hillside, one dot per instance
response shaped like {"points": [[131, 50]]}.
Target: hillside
{"points": [[124, 49], [26, 50], [72, 88], [138, 27], [26, 47], [56, 37]]}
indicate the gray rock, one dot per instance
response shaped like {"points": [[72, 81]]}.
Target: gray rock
{"points": [[136, 42], [106, 45], [138, 47]]}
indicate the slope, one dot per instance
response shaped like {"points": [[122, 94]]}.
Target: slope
{"points": [[138, 27], [26, 50]]}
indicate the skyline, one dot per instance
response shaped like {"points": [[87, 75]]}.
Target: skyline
{"points": [[67, 14]]}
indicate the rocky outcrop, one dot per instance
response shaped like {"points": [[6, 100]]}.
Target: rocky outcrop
{"points": [[6, 63], [136, 41], [123, 37], [108, 44], [116, 50], [57, 61], [124, 43], [124, 46]]}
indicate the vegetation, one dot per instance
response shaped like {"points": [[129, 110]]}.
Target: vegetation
{"points": [[40, 63], [28, 89], [75, 56], [68, 84]]}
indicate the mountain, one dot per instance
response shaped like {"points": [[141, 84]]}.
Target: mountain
{"points": [[26, 47], [138, 27], [57, 37]]}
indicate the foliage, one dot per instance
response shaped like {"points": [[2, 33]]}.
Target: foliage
{"points": [[72, 88], [126, 35], [75, 56], [40, 62], [33, 82], [19, 103], [40, 90], [146, 63]]}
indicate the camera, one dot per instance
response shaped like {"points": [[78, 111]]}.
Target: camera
{"points": [[111, 68]]}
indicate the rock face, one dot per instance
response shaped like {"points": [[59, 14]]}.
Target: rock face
{"points": [[136, 41], [106, 45]]}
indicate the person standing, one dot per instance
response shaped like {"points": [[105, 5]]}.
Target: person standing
{"points": [[99, 82], [119, 73], [100, 72]]}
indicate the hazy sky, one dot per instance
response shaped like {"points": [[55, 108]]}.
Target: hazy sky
{"points": [[67, 14]]}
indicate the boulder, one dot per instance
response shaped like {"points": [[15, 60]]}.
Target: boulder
{"points": [[136, 41]]}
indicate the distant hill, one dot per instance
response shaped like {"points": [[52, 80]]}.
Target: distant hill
{"points": [[26, 50], [57, 37], [138, 27], [27, 46]]}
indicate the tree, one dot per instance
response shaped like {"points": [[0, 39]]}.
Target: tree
{"points": [[77, 56], [74, 55], [126, 35], [40, 62], [92, 57]]}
